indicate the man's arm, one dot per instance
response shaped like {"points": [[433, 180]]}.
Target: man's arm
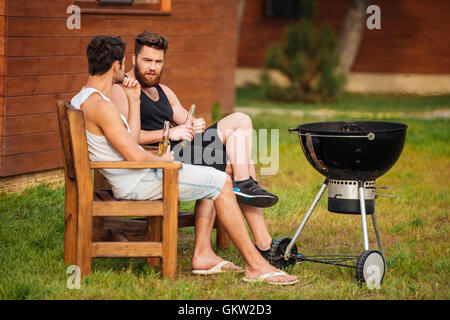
{"points": [[177, 133], [150, 136], [180, 132], [180, 114], [106, 116], [119, 98], [126, 98]]}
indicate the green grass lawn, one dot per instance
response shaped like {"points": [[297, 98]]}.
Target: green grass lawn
{"points": [[253, 97], [414, 227]]}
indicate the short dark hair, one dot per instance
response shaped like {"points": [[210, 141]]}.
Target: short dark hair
{"points": [[150, 39], [102, 52]]}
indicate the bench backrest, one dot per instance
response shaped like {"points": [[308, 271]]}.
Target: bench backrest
{"points": [[74, 143], [78, 179]]}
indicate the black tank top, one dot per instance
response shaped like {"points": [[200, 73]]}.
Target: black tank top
{"points": [[154, 113]]}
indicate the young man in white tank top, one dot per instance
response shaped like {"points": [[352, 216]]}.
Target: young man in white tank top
{"points": [[121, 136]]}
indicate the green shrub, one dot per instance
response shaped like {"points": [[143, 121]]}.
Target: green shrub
{"points": [[216, 112], [308, 58]]}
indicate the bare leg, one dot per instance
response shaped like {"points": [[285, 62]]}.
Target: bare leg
{"points": [[257, 224], [235, 131], [204, 257], [230, 216], [255, 217]]}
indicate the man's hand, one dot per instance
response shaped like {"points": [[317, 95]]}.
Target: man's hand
{"points": [[132, 88], [199, 125], [181, 132], [166, 157]]}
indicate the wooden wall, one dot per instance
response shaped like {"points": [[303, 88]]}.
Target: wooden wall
{"points": [[45, 61], [225, 58], [2, 75], [413, 36]]}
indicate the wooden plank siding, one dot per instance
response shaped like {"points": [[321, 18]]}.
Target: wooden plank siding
{"points": [[2, 77], [226, 47], [413, 36], [42, 61]]}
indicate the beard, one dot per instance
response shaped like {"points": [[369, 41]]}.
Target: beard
{"points": [[143, 80], [118, 77]]}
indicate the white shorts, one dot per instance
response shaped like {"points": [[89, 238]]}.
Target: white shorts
{"points": [[194, 183]]}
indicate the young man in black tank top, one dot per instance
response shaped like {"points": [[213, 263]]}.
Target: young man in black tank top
{"points": [[159, 103]]}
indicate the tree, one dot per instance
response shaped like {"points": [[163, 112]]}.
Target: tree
{"points": [[351, 34], [241, 8], [308, 58]]}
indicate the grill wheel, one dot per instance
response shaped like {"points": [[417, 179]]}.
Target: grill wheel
{"points": [[276, 254], [370, 268]]}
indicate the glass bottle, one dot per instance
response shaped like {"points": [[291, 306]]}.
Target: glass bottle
{"points": [[164, 144], [189, 121], [190, 117]]}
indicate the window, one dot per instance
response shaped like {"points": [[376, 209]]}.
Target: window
{"points": [[144, 7], [125, 2], [282, 8], [115, 2]]}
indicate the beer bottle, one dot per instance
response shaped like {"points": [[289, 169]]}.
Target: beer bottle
{"points": [[190, 117], [164, 144], [189, 121]]}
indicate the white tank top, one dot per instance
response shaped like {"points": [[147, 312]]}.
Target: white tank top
{"points": [[122, 181]]}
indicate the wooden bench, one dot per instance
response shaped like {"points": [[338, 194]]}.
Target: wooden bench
{"points": [[92, 225]]}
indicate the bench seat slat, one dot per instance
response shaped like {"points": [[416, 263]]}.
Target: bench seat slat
{"points": [[126, 249], [127, 208]]}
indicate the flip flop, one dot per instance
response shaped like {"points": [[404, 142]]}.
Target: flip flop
{"points": [[216, 269], [263, 279]]}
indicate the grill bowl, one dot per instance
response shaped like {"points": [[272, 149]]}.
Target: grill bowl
{"points": [[352, 150]]}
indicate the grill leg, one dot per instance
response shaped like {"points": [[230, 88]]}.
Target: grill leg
{"points": [[287, 254], [377, 233], [363, 215]]}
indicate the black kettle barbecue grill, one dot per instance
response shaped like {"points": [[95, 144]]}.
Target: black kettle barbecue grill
{"points": [[351, 155]]}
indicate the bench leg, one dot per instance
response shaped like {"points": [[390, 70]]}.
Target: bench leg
{"points": [[170, 224], [154, 234], [70, 224], [84, 240]]}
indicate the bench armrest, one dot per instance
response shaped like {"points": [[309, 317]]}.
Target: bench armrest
{"points": [[134, 165]]}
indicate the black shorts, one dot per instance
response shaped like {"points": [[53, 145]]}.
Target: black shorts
{"points": [[206, 149]]}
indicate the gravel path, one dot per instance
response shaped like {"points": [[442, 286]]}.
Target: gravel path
{"points": [[325, 113]]}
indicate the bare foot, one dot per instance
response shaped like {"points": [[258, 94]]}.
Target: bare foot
{"points": [[279, 277], [206, 263]]}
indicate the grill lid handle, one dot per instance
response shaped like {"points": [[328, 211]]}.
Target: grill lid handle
{"points": [[370, 136]]}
